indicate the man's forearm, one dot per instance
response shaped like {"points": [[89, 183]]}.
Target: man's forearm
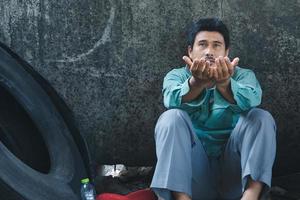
{"points": [[225, 90], [196, 88]]}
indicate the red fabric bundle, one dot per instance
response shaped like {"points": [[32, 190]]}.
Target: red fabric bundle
{"points": [[145, 194]]}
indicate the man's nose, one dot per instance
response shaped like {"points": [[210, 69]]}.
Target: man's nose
{"points": [[209, 55], [209, 52]]}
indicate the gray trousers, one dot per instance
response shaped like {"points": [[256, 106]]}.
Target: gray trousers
{"points": [[183, 166]]}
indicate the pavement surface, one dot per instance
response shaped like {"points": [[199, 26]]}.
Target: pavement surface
{"points": [[127, 180]]}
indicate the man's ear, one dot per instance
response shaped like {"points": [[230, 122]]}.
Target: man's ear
{"points": [[227, 52], [190, 50]]}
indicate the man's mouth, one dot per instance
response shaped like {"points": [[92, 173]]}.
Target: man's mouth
{"points": [[211, 60]]}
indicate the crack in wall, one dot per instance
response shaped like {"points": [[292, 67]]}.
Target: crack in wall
{"points": [[105, 38]]}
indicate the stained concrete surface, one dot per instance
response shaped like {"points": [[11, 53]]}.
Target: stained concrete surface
{"points": [[131, 179], [107, 60]]}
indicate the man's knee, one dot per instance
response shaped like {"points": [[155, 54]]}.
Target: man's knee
{"points": [[261, 116], [263, 121], [171, 117]]}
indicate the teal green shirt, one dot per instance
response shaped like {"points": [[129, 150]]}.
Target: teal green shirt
{"points": [[213, 117]]}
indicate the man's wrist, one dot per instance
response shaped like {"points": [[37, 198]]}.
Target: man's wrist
{"points": [[195, 82], [224, 84], [225, 89]]}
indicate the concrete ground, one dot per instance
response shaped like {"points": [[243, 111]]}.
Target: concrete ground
{"points": [[130, 179]]}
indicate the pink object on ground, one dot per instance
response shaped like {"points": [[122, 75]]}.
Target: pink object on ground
{"points": [[145, 194]]}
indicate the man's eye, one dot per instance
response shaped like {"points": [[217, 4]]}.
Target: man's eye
{"points": [[201, 44]]}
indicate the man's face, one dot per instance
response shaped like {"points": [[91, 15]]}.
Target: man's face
{"points": [[209, 45]]}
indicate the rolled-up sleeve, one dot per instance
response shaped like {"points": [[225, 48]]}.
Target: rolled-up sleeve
{"points": [[246, 91], [175, 86]]}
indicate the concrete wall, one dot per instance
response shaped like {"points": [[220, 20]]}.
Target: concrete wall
{"points": [[107, 60]]}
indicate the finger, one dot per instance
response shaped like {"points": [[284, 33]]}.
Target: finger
{"points": [[219, 68], [216, 75], [188, 61], [199, 68], [202, 65], [235, 62], [224, 67], [230, 67], [194, 66], [227, 61], [213, 64], [206, 69], [213, 72]]}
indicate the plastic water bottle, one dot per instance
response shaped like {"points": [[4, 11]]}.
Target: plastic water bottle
{"points": [[87, 190]]}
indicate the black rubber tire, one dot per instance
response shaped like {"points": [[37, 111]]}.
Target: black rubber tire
{"points": [[61, 164], [63, 109]]}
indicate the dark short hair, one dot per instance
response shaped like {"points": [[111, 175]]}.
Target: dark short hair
{"points": [[207, 24]]}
